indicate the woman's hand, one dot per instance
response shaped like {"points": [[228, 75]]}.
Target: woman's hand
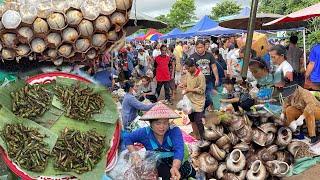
{"points": [[175, 174]]}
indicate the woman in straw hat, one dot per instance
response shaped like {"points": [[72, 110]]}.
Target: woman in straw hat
{"points": [[165, 140]]}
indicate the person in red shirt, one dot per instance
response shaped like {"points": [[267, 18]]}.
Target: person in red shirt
{"points": [[162, 73]]}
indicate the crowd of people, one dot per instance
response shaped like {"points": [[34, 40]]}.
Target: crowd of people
{"points": [[200, 70]]}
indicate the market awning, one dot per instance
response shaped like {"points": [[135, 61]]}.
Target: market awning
{"points": [[205, 23], [301, 15], [152, 35], [139, 20], [172, 34], [241, 22], [220, 31]]}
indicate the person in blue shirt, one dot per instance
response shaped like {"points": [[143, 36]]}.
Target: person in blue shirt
{"points": [[131, 105], [313, 69], [167, 142]]}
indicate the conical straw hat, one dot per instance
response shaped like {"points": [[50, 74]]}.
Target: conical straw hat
{"points": [[160, 111]]}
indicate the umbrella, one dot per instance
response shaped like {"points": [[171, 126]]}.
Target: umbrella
{"points": [[143, 22], [301, 15], [298, 17], [241, 22]]}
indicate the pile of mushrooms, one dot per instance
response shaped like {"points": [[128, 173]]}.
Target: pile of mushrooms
{"points": [[62, 31], [238, 149]]}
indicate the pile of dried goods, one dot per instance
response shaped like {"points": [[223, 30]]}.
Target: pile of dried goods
{"points": [[78, 151], [80, 102], [31, 101], [26, 147]]}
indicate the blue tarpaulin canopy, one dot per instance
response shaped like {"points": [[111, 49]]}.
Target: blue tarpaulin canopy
{"points": [[172, 34], [204, 24], [219, 31]]}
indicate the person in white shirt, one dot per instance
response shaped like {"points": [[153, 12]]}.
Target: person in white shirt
{"points": [[156, 52], [143, 60], [224, 49], [234, 63], [284, 71]]}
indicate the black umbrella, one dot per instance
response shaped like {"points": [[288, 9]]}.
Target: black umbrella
{"points": [[241, 22], [140, 20]]}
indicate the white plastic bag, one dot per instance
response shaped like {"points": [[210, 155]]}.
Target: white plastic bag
{"points": [[185, 105]]}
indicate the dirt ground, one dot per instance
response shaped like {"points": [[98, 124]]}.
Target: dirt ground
{"points": [[311, 174]]}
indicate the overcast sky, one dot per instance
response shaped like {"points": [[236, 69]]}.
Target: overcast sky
{"points": [[158, 7]]}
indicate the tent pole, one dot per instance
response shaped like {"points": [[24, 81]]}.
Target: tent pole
{"points": [[304, 49], [251, 26]]}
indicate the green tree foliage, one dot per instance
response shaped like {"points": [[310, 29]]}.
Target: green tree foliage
{"points": [[164, 19], [273, 6], [181, 12], [225, 8]]}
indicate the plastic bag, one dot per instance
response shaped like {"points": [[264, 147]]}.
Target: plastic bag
{"points": [[265, 93], [125, 169], [185, 104]]}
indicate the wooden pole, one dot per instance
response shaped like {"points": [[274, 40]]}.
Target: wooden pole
{"points": [[251, 27]]}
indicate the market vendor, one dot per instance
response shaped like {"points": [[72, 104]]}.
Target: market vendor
{"points": [[164, 139], [147, 90], [233, 96], [131, 105], [284, 71], [236, 96], [261, 73]]}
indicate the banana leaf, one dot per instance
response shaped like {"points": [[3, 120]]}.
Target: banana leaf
{"points": [[109, 114], [7, 117], [46, 120], [101, 128]]}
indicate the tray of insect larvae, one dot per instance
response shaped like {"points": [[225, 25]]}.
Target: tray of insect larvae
{"points": [[95, 125], [25, 142]]}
